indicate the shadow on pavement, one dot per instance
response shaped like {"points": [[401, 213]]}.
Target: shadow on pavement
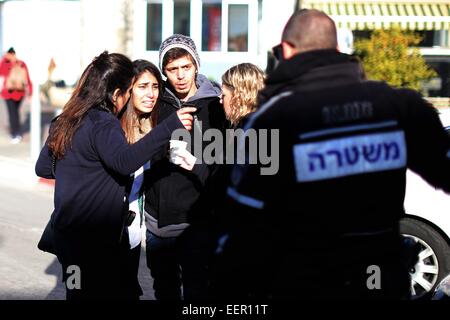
{"points": [[59, 291]]}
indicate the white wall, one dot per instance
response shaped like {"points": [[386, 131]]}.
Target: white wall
{"points": [[101, 26], [266, 34], [74, 32], [41, 29], [1, 27], [275, 14]]}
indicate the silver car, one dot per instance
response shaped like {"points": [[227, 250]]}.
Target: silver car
{"points": [[427, 221]]}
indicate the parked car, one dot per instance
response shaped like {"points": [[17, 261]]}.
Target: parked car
{"points": [[427, 222], [442, 291]]}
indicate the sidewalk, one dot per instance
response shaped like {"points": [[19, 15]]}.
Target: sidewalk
{"points": [[19, 152], [16, 164]]}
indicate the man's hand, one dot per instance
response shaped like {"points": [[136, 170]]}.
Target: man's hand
{"points": [[184, 114], [183, 158]]}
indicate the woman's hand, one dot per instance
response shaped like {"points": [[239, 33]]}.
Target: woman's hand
{"points": [[184, 114]]}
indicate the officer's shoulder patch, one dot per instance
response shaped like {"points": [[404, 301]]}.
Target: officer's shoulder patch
{"points": [[347, 156]]}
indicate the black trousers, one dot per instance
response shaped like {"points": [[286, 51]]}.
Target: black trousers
{"points": [[95, 268], [181, 261], [14, 117]]}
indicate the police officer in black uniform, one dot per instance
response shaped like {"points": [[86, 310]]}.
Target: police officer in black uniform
{"points": [[326, 224]]}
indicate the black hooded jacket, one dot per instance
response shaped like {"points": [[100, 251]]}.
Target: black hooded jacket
{"points": [[173, 195], [335, 203]]}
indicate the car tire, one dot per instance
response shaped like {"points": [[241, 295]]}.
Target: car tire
{"points": [[433, 261]]}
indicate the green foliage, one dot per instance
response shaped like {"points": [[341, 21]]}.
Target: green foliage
{"points": [[389, 56]]}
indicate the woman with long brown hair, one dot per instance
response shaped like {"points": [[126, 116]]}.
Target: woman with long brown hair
{"points": [[93, 166], [138, 119]]}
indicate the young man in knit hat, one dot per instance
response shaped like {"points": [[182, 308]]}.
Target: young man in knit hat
{"points": [[180, 236]]}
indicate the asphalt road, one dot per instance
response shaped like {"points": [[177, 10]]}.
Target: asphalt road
{"points": [[25, 206]]}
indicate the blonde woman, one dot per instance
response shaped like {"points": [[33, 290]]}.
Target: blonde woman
{"points": [[240, 87]]}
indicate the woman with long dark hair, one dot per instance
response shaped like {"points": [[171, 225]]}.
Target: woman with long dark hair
{"points": [[137, 120], [140, 116], [93, 163]]}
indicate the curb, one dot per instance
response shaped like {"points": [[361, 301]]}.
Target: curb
{"points": [[48, 182], [23, 166]]}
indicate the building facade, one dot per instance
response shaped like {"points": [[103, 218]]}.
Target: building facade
{"points": [[428, 18], [226, 32]]}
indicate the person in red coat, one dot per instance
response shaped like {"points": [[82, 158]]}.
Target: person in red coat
{"points": [[16, 84]]}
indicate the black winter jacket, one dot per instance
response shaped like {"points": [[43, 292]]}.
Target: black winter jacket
{"points": [[174, 195], [333, 208]]}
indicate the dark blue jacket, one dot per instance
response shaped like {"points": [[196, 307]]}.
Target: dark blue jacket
{"points": [[91, 178]]}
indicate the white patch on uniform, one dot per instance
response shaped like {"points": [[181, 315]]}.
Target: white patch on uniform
{"points": [[349, 156]]}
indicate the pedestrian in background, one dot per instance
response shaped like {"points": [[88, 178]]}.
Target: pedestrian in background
{"points": [[93, 163], [16, 85], [326, 225], [137, 120]]}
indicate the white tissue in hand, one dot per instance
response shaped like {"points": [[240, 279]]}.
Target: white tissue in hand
{"points": [[178, 144], [183, 158], [175, 159]]}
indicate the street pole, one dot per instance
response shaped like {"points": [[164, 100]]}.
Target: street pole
{"points": [[35, 127]]}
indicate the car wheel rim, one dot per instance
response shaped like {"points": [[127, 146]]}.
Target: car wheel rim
{"points": [[425, 272]]}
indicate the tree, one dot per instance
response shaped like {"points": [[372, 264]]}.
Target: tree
{"points": [[389, 56]]}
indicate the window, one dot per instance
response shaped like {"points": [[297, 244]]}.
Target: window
{"points": [[154, 26], [211, 26], [238, 27], [362, 34], [431, 38], [182, 17], [219, 25]]}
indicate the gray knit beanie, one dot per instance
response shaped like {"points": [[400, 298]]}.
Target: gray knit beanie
{"points": [[178, 41]]}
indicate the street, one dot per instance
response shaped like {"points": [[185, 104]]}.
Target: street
{"points": [[26, 204], [25, 271], [25, 207]]}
